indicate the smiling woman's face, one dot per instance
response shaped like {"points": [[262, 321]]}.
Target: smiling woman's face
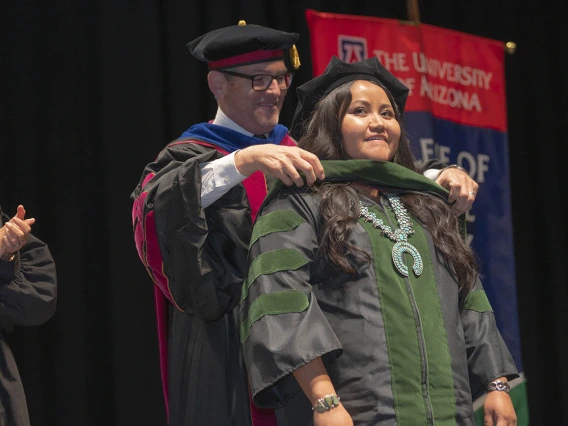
{"points": [[370, 130]]}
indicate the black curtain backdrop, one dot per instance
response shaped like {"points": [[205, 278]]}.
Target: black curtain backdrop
{"points": [[92, 90]]}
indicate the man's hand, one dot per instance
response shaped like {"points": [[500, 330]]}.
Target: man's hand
{"points": [[13, 234], [282, 162], [463, 189], [499, 410]]}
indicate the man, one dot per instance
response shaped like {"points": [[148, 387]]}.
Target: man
{"points": [[27, 297], [193, 219]]}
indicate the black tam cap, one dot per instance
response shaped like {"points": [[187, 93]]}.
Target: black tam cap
{"points": [[244, 44], [336, 74]]}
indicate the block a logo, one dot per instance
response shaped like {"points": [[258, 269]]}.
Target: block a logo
{"points": [[352, 49]]}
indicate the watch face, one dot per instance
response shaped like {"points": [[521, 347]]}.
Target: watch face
{"points": [[8, 257], [499, 385]]}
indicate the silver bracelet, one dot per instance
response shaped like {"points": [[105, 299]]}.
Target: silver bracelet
{"points": [[326, 403], [452, 166], [499, 385]]}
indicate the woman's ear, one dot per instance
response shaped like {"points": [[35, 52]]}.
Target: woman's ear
{"points": [[216, 82]]}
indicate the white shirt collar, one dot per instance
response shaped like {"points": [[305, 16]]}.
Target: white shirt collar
{"points": [[221, 119]]}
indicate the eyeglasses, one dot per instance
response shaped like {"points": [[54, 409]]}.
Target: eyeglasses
{"points": [[262, 82]]}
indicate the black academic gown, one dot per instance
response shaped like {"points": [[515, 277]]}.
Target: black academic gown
{"points": [[28, 293], [197, 257], [399, 350], [198, 266]]}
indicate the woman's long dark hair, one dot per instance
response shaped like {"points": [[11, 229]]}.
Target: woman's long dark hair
{"points": [[339, 207]]}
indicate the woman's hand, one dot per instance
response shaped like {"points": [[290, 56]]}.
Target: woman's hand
{"points": [[499, 410], [337, 416], [315, 382]]}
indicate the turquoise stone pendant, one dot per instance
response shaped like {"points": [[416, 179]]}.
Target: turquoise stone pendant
{"points": [[397, 252], [399, 236]]}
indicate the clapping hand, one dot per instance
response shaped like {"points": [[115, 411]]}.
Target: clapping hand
{"points": [[14, 234]]}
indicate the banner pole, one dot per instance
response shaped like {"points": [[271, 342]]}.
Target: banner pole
{"points": [[413, 14], [413, 11]]}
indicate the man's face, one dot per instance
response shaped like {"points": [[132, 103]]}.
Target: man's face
{"points": [[257, 112]]}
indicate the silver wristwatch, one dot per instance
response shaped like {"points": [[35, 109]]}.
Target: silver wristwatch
{"points": [[452, 166], [499, 385]]}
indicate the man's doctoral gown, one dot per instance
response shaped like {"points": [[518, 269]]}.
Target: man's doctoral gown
{"points": [[399, 350], [197, 258]]}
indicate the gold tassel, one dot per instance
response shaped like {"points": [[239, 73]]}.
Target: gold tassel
{"points": [[294, 57]]}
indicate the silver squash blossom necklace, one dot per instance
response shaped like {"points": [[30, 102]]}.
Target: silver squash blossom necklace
{"points": [[399, 236]]}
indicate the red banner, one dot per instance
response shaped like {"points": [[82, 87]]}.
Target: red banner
{"points": [[455, 76]]}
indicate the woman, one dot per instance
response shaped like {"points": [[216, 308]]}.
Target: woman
{"points": [[362, 288]]}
